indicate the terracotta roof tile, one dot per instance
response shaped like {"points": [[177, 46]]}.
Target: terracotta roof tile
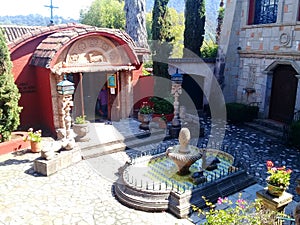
{"points": [[58, 35]]}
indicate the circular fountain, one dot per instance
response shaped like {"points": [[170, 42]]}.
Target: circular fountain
{"points": [[184, 155], [168, 179]]}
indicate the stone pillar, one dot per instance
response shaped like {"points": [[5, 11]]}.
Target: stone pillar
{"points": [[176, 125], [274, 203], [64, 120]]}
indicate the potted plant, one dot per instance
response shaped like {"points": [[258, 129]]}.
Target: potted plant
{"points": [[279, 179], [35, 138], [80, 128], [145, 115], [162, 107]]}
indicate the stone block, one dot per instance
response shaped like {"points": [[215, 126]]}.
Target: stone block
{"points": [[61, 160], [272, 202]]}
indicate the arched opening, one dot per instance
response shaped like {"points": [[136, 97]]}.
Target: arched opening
{"points": [[283, 93]]}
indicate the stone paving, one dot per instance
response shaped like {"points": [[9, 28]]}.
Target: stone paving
{"points": [[83, 193], [76, 195]]}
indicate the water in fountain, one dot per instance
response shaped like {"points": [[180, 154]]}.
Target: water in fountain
{"points": [[158, 183]]}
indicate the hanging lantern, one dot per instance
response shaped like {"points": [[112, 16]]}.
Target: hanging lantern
{"points": [[65, 87]]}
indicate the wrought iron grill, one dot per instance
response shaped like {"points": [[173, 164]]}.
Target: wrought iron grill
{"points": [[265, 11]]}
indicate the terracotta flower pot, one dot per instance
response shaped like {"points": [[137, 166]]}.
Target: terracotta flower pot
{"points": [[275, 190], [35, 146]]}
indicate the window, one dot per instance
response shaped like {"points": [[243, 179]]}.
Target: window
{"points": [[262, 11]]}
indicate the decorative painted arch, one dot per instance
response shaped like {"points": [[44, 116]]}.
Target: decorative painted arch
{"points": [[86, 45]]}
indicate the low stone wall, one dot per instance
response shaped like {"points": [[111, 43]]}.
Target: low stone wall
{"points": [[62, 160]]}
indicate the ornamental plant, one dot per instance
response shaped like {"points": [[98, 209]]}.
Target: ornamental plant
{"points": [[279, 176], [146, 108], [237, 213], [9, 94], [80, 119], [35, 136]]}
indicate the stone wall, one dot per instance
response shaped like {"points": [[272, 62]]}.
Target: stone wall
{"points": [[251, 49]]}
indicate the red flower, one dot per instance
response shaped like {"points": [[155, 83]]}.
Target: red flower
{"points": [[270, 164]]}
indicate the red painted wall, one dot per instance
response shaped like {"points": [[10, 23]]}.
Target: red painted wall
{"points": [[46, 121], [143, 89], [29, 86]]}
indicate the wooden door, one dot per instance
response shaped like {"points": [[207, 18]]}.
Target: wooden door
{"points": [[283, 95]]}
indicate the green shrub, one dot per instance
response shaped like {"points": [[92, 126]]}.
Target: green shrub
{"points": [[162, 106], [239, 112], [9, 94], [295, 134]]}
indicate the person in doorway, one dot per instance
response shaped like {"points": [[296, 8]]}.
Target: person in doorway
{"points": [[103, 100]]}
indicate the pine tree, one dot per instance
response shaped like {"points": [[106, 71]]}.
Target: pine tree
{"points": [[194, 27], [9, 94]]}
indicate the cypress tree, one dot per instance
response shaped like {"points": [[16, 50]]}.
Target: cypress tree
{"points": [[161, 45], [194, 27], [9, 94]]}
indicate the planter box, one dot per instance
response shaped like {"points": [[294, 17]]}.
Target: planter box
{"points": [[169, 117], [15, 144]]}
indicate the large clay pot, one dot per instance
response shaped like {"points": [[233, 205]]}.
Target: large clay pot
{"points": [[81, 131], [145, 120], [275, 190], [35, 146]]}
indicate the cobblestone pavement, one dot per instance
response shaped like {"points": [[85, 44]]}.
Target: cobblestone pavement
{"points": [[251, 150], [75, 195], [81, 194]]}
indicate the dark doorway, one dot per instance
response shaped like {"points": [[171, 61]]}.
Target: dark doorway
{"points": [[283, 95], [192, 96]]}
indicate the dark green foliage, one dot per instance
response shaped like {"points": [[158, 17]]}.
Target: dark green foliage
{"points": [[220, 21], [161, 45], [194, 27], [239, 112], [295, 134], [9, 94], [209, 50], [104, 13], [162, 106]]}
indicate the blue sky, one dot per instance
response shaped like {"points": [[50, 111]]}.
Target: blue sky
{"points": [[67, 8]]}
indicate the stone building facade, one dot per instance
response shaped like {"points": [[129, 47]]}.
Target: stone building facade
{"points": [[260, 41]]}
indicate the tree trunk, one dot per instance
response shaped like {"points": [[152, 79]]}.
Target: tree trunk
{"points": [[136, 21]]}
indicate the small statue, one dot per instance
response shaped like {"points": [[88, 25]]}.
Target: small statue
{"points": [[198, 177]]}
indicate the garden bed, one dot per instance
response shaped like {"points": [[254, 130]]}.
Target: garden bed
{"points": [[15, 144]]}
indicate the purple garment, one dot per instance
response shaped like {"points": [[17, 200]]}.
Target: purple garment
{"points": [[102, 97]]}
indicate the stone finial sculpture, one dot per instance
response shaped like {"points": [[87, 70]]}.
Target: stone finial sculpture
{"points": [[184, 140], [184, 155]]}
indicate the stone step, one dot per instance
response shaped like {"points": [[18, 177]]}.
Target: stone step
{"points": [[104, 149], [270, 124], [153, 138], [130, 142], [266, 130]]}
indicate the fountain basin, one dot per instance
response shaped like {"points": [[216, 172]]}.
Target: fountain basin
{"points": [[152, 184]]}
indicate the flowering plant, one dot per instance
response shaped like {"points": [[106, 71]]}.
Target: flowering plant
{"points": [[279, 176], [35, 136], [241, 212], [146, 108]]}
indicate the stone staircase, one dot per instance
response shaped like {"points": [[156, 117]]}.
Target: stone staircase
{"points": [[272, 128], [113, 140]]}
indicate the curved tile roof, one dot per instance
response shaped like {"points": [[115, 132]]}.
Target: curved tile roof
{"points": [[59, 35]]}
